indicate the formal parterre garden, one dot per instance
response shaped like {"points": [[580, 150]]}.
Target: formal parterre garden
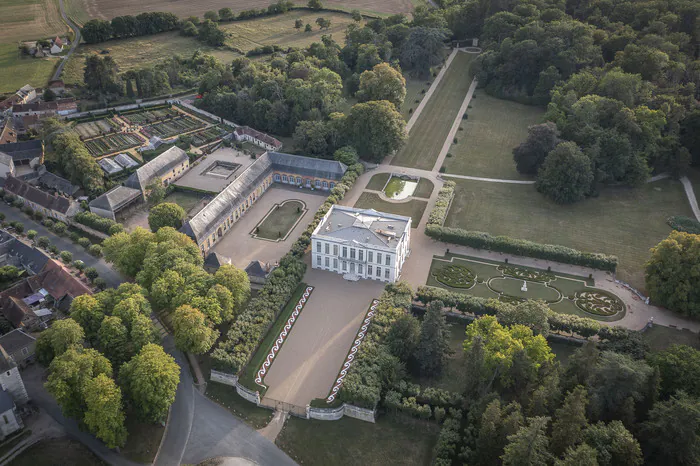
{"points": [[173, 127], [509, 283], [113, 143]]}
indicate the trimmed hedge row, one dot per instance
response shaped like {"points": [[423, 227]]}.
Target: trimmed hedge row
{"points": [[435, 397], [521, 247], [684, 224], [448, 440], [105, 225], [251, 325], [444, 198]]}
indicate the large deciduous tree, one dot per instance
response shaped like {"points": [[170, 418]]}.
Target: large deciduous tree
{"points": [[679, 367], [673, 273], [422, 50], [166, 214], [672, 432], [566, 175], [193, 333], [541, 140], [382, 83], [57, 339], [376, 129], [403, 337], [104, 414]]}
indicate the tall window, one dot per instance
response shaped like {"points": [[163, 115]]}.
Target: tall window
{"points": [[284, 178], [328, 248], [369, 256], [298, 179], [369, 270], [361, 255], [335, 249], [359, 268], [388, 260], [386, 273], [318, 260], [335, 264], [318, 184], [318, 246], [379, 271], [328, 262], [352, 253], [345, 251], [379, 258], [345, 266], [325, 185]]}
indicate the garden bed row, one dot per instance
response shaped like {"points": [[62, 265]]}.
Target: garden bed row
{"points": [[113, 143]]}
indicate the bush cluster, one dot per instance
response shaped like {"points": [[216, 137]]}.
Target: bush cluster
{"points": [[448, 440], [408, 405], [521, 247], [251, 326], [435, 397], [684, 224], [105, 225], [442, 205]]}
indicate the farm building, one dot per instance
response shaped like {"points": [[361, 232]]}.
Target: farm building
{"points": [[167, 167], [44, 178], [109, 166], [57, 46], [217, 217], [35, 108], [260, 139], [115, 200], [54, 206], [57, 86]]}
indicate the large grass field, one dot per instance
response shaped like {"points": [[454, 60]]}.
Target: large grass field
{"points": [[140, 52], [108, 9], [433, 126], [413, 208], [23, 20], [402, 441], [624, 222], [415, 91], [493, 128], [279, 30]]}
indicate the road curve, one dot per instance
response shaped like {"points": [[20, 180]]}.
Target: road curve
{"points": [[73, 46]]}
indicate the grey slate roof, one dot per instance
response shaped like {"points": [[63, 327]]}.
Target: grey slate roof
{"points": [[109, 166], [61, 185], [215, 260], [52, 202], [156, 168], [23, 151], [5, 159], [115, 198], [308, 166], [15, 340], [125, 161], [363, 226]]}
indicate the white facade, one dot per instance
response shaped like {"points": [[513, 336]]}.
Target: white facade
{"points": [[361, 243], [11, 381]]}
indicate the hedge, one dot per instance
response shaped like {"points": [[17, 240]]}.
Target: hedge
{"points": [[521, 247], [684, 224], [448, 440], [252, 324], [105, 225], [442, 205]]}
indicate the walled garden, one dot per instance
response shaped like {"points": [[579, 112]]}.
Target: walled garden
{"points": [[173, 127], [113, 143]]}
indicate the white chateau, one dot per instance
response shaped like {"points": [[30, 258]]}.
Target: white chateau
{"points": [[361, 243]]}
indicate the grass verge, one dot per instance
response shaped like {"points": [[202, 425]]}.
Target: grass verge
{"points": [[226, 396], [143, 440], [57, 451], [424, 189]]}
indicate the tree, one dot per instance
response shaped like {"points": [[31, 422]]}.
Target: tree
{"points": [[49, 95], [672, 431], [69, 376], [113, 340], [570, 421], [497, 424], [531, 154], [188, 29], [226, 14], [382, 83], [356, 15], [531, 313], [583, 455], [150, 380], [166, 214], [211, 16], [91, 273], [376, 129], [155, 192], [403, 337], [566, 175], [43, 242], [236, 281], [96, 30], [57, 339], [679, 366], [433, 347], [104, 415], [315, 4], [298, 24], [308, 28], [673, 273], [346, 155], [88, 313], [422, 50], [166, 288], [224, 299], [529, 446], [66, 256], [193, 334], [614, 443], [101, 74]]}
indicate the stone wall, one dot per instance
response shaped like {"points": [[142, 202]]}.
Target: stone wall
{"points": [[333, 414], [362, 414], [223, 377]]}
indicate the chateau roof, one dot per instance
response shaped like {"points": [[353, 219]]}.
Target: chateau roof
{"points": [[260, 136], [156, 168], [363, 226]]}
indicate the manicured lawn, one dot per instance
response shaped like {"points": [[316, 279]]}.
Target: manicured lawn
{"points": [[143, 440], [377, 182], [415, 91], [280, 220], [413, 208], [424, 189], [185, 199], [660, 337], [16, 70], [621, 221], [227, 397], [247, 379], [141, 52], [350, 442], [493, 129], [58, 451], [430, 131]]}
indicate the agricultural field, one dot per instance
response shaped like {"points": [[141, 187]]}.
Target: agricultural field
{"points": [[621, 221], [26, 20], [108, 9], [433, 126], [279, 30], [141, 52], [91, 129], [206, 136], [113, 143], [493, 128], [172, 127]]}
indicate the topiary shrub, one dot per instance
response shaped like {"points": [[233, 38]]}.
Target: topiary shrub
{"points": [[95, 250], [31, 234], [84, 242], [66, 256]]}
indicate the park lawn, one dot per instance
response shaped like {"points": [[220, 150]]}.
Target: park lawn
{"points": [[413, 208], [280, 220], [279, 30], [415, 91], [434, 123], [247, 379], [143, 440], [424, 189], [660, 337], [140, 52], [621, 221], [16, 70], [348, 441], [227, 397], [493, 129], [377, 182], [62, 450]]}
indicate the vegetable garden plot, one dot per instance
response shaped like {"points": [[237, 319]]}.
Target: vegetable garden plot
{"points": [[174, 127], [113, 143], [206, 136], [149, 116], [92, 129]]}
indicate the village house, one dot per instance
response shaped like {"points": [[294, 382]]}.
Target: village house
{"points": [[35, 108], [54, 206], [10, 379], [7, 166], [7, 132], [25, 152], [210, 224], [40, 176], [57, 46], [19, 345], [358, 243], [57, 86], [260, 139], [23, 95], [21, 255], [11, 421]]}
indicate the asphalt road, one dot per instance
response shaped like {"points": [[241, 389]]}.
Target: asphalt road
{"points": [[74, 44]]}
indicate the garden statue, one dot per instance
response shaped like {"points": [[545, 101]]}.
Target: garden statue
{"points": [[524, 287]]}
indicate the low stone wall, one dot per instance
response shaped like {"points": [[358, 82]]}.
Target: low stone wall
{"points": [[232, 380], [362, 414], [253, 397], [204, 112], [333, 414]]}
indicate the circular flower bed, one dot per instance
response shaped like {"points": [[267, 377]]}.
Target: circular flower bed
{"points": [[526, 274], [455, 276], [599, 303]]}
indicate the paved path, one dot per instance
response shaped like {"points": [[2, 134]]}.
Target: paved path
{"points": [[73, 46], [490, 180], [691, 197]]}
